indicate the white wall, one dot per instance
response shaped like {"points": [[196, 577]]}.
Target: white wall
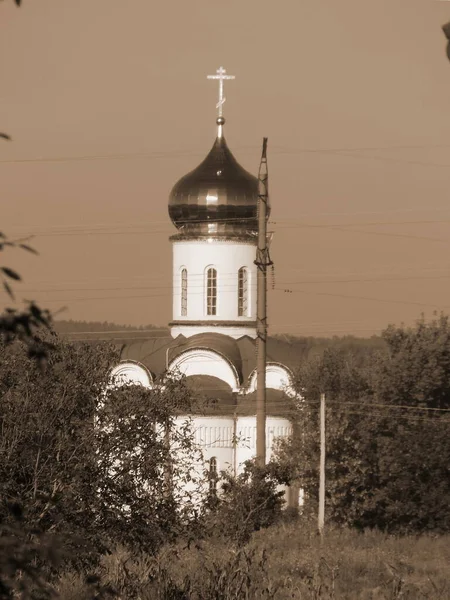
{"points": [[232, 440], [227, 257], [246, 435]]}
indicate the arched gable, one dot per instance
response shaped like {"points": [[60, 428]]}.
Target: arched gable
{"points": [[132, 372], [200, 361], [278, 377]]}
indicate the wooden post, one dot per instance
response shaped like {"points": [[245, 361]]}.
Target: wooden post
{"points": [[321, 517], [261, 311]]}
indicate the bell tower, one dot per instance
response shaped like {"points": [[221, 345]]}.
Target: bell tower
{"points": [[214, 208]]}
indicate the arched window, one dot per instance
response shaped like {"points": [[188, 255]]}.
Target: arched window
{"points": [[211, 291], [213, 476], [184, 289], [242, 292]]}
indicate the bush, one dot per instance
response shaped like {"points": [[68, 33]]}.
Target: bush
{"points": [[246, 502]]}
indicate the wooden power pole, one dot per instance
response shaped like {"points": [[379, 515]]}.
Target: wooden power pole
{"points": [[262, 262], [321, 517]]}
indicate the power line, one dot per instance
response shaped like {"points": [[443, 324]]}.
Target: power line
{"points": [[308, 292], [287, 223], [289, 220], [364, 298], [280, 150], [343, 228], [234, 276], [284, 290]]}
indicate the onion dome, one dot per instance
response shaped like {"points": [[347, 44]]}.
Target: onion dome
{"points": [[219, 197]]}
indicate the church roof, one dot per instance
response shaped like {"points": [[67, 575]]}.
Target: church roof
{"points": [[222, 344], [219, 196], [217, 398], [155, 354]]}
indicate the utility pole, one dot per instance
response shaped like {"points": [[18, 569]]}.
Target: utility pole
{"points": [[262, 262], [321, 518]]}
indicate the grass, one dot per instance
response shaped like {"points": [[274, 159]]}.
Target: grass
{"points": [[288, 561]]}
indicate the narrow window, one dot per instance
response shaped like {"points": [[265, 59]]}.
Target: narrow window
{"points": [[211, 292], [184, 284], [242, 292], [213, 476]]}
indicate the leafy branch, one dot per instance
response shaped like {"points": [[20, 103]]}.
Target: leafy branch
{"points": [[22, 325]]}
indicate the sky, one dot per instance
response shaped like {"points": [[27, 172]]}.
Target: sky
{"points": [[108, 105]]}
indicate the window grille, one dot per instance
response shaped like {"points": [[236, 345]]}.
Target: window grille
{"points": [[211, 292], [213, 476], [242, 292], [184, 289]]}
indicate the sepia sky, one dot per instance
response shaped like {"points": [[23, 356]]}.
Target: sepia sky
{"points": [[108, 104]]}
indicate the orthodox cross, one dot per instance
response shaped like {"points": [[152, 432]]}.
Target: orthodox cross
{"points": [[221, 75]]}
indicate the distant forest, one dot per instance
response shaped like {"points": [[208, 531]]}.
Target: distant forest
{"points": [[71, 326], [306, 347], [98, 330]]}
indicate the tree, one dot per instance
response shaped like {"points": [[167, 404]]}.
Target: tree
{"points": [[149, 488], [387, 458], [25, 324], [246, 503], [88, 461], [411, 386], [416, 368], [336, 374]]}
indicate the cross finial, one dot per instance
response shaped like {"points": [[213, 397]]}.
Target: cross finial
{"points": [[221, 75]]}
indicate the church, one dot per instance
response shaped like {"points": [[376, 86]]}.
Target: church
{"points": [[213, 329]]}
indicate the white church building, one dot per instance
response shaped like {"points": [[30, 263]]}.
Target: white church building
{"points": [[213, 329]]}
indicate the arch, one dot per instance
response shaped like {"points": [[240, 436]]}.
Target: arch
{"points": [[131, 372], [278, 377], [199, 361], [184, 292], [211, 290], [243, 292]]}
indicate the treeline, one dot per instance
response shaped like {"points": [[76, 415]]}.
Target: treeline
{"points": [[70, 326], [387, 431], [284, 347]]}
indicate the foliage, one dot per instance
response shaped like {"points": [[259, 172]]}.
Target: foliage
{"points": [[145, 461], [246, 502], [306, 348], [25, 324], [23, 551], [87, 482], [387, 460], [416, 369]]}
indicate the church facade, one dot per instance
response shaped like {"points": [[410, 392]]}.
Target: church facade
{"points": [[213, 329]]}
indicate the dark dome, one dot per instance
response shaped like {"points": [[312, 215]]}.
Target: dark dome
{"points": [[219, 197]]}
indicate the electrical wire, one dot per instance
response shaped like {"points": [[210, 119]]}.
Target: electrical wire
{"points": [[288, 291], [232, 286], [351, 152], [169, 229]]}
